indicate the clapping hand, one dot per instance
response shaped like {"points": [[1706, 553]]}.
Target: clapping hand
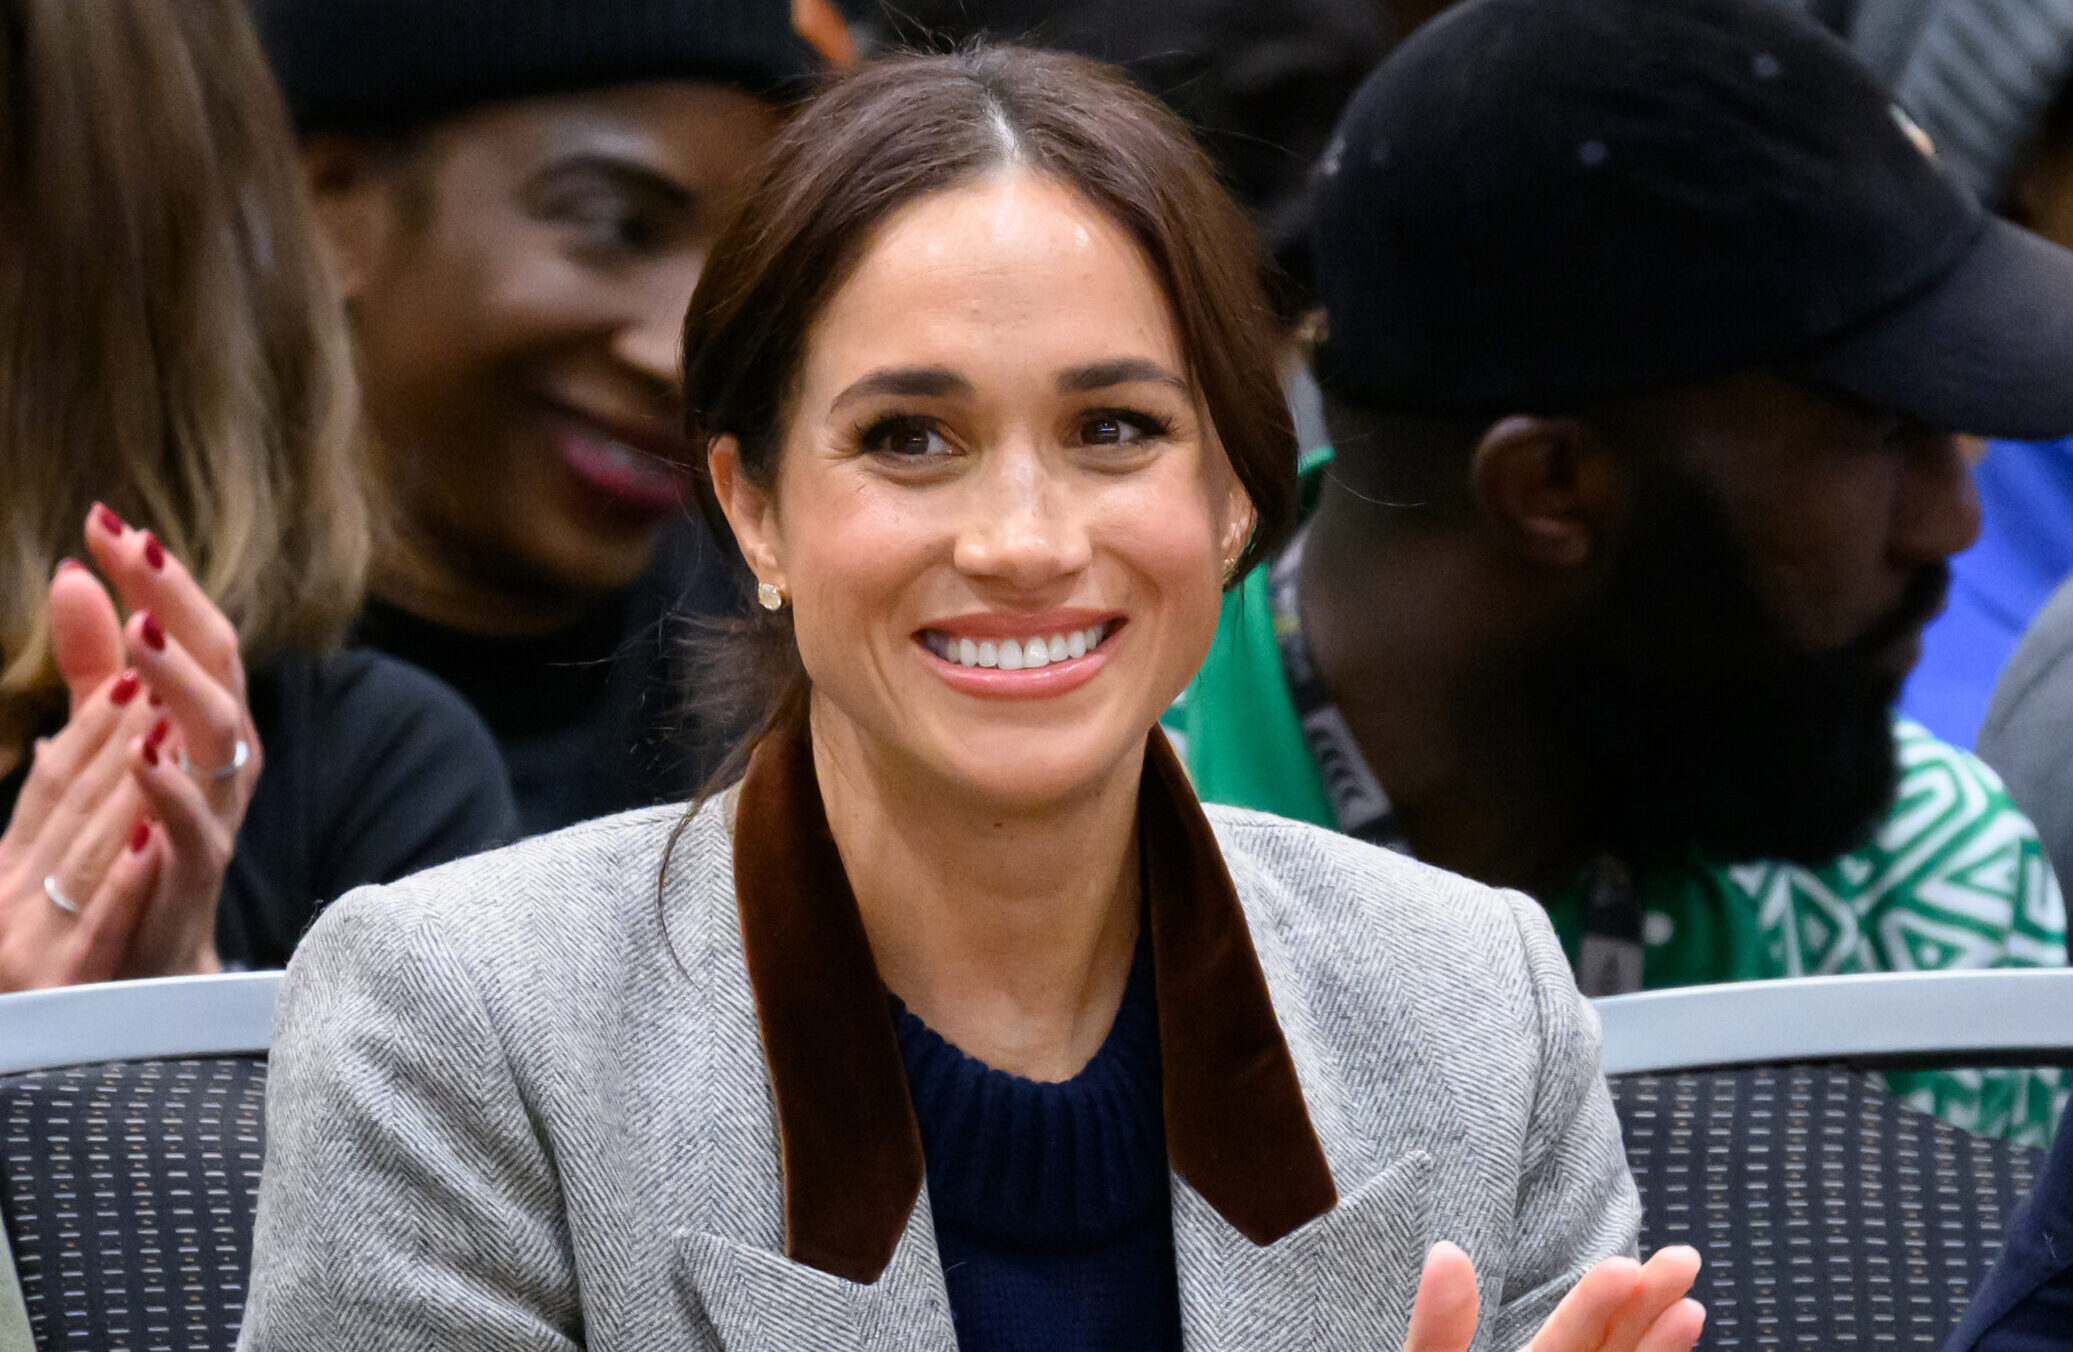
{"points": [[113, 862], [1619, 1306]]}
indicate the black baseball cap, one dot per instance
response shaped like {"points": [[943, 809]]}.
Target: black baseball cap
{"points": [[1536, 204]]}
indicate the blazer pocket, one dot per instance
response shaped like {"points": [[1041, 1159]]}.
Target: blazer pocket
{"points": [[1342, 1283], [759, 1301], [1365, 1255]]}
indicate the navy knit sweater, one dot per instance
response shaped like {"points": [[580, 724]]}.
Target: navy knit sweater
{"points": [[1050, 1200]]}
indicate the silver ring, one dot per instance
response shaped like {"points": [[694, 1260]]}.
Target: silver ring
{"points": [[58, 898], [238, 760]]}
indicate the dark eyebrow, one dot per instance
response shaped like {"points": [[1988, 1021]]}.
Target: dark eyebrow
{"points": [[1124, 371], [913, 382], [624, 174]]}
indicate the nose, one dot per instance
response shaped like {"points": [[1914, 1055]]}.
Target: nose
{"points": [[651, 345], [650, 340], [1023, 524], [1938, 511]]}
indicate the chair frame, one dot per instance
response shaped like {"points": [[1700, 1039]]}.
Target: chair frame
{"points": [[1888, 1020], [162, 1019]]}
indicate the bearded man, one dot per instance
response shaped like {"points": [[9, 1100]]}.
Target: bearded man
{"points": [[1652, 329]]}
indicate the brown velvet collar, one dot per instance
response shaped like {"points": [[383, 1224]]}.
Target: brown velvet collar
{"points": [[850, 1150]]}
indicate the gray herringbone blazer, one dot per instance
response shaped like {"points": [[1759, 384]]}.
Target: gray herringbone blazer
{"points": [[520, 1102]]}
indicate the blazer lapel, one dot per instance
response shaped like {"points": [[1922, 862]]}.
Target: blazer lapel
{"points": [[1343, 1282], [1266, 1259], [849, 1146], [1237, 1128]]}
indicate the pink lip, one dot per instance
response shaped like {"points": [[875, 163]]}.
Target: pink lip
{"points": [[651, 485], [1044, 682]]}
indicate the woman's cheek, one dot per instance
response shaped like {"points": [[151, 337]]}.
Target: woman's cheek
{"points": [[1164, 531], [850, 569]]}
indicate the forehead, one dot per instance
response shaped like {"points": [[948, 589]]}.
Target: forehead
{"points": [[688, 126], [1013, 270]]}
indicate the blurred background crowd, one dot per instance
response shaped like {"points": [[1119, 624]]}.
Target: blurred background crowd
{"points": [[365, 315], [344, 521]]}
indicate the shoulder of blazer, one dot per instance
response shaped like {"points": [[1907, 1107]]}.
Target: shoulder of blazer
{"points": [[1291, 872], [609, 852], [577, 899]]}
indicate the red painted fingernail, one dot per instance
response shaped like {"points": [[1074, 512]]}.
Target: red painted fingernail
{"points": [[107, 520], [151, 753], [154, 553], [70, 566], [154, 635], [157, 734], [124, 690], [140, 836]]}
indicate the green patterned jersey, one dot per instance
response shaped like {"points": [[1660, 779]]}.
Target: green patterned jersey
{"points": [[1953, 878]]}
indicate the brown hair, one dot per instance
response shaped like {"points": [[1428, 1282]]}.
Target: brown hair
{"points": [[167, 339], [906, 126]]}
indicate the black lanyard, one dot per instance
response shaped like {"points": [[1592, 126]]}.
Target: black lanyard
{"points": [[1358, 802], [1609, 959]]}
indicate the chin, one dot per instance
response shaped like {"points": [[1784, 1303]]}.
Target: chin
{"points": [[1769, 782], [577, 561], [1022, 769]]}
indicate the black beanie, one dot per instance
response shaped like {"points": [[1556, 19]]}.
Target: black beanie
{"points": [[383, 65]]}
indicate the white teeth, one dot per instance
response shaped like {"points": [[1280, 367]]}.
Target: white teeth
{"points": [[1017, 654]]}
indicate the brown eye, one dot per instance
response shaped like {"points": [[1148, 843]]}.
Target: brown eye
{"points": [[611, 219], [1117, 428], [906, 438]]}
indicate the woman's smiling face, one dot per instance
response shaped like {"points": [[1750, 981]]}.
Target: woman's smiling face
{"points": [[1000, 511]]}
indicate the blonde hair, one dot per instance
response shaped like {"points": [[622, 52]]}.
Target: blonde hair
{"points": [[168, 342]]}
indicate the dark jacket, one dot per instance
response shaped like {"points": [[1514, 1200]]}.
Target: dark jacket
{"points": [[2026, 1302]]}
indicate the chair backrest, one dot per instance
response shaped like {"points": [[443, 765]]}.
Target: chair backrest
{"points": [[130, 1147], [1830, 1214]]}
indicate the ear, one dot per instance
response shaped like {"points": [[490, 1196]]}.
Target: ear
{"points": [[1548, 486], [751, 512], [1240, 520], [354, 198]]}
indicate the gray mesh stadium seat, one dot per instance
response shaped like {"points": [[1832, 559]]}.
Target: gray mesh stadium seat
{"points": [[130, 1148], [1830, 1215], [129, 1196]]}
